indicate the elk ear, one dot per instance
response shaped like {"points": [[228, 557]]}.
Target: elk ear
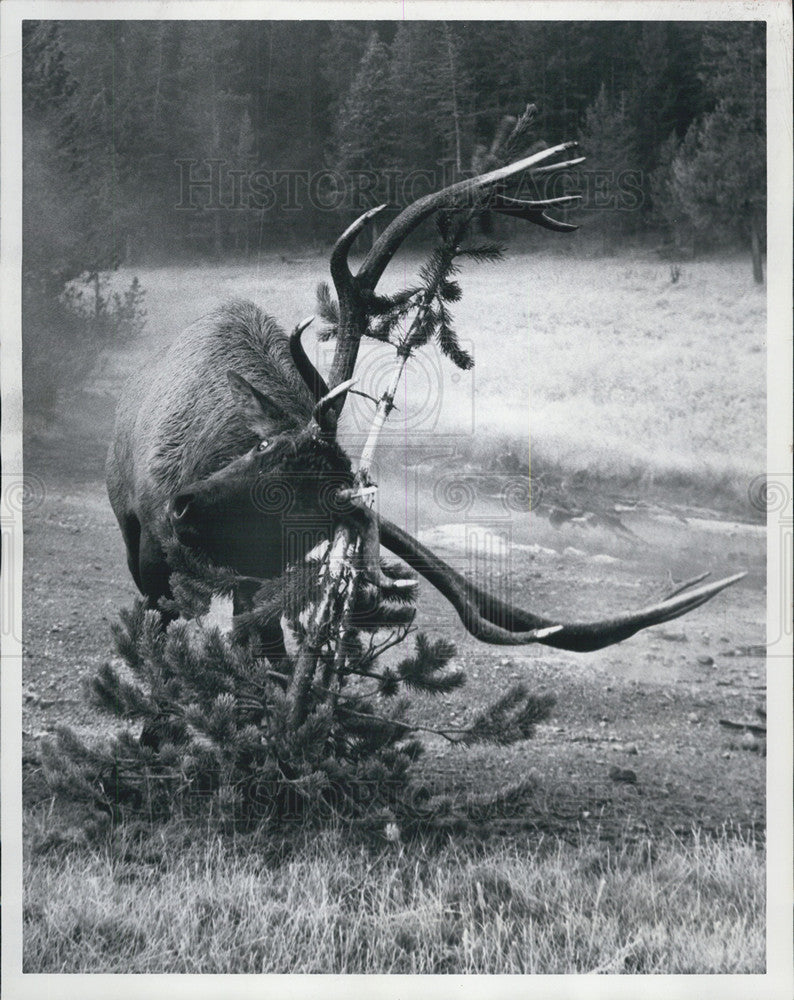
{"points": [[262, 415]]}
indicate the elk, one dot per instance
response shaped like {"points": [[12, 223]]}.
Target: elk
{"points": [[234, 412]]}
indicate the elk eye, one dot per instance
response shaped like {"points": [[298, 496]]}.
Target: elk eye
{"points": [[263, 446]]}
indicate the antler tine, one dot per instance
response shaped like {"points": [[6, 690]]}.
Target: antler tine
{"points": [[686, 585], [323, 408], [563, 165], [340, 269], [546, 222], [455, 196], [533, 211], [501, 203], [306, 369]]}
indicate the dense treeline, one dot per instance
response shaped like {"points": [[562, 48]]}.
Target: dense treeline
{"points": [[156, 139]]}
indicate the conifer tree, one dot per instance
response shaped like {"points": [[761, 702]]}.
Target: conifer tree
{"points": [[362, 148], [609, 142], [716, 181]]}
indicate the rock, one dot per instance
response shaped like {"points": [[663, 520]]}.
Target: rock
{"points": [[573, 553], [693, 717], [674, 636], [624, 774], [632, 749], [605, 560], [750, 742], [726, 754], [534, 550], [706, 661]]}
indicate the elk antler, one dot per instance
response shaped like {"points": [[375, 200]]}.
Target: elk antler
{"points": [[306, 369], [494, 621], [323, 416], [355, 291]]}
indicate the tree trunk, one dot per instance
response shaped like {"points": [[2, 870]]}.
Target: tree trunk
{"points": [[755, 243], [455, 112]]}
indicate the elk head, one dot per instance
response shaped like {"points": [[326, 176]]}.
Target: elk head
{"points": [[236, 516]]}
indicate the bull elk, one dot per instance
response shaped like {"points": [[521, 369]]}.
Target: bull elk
{"points": [[234, 410]]}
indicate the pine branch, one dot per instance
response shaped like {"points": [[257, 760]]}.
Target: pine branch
{"points": [[108, 691], [511, 718], [484, 253], [422, 671], [448, 339], [328, 309]]}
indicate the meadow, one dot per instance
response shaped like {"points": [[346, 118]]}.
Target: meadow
{"points": [[602, 366], [604, 372], [215, 906]]}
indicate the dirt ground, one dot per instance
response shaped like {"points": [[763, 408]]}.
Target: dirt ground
{"points": [[635, 745]]}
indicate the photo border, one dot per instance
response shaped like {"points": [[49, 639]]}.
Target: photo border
{"points": [[779, 978]]}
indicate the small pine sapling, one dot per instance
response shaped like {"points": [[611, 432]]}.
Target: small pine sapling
{"points": [[325, 731]]}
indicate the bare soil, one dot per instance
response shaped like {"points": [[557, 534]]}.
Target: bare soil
{"points": [[635, 746]]}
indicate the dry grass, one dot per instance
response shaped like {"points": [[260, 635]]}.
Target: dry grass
{"points": [[604, 364], [333, 908]]}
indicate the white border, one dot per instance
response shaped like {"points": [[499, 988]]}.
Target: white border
{"points": [[778, 982]]}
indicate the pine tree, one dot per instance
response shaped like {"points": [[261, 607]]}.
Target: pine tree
{"points": [[608, 140], [216, 737], [715, 184], [324, 733], [362, 148]]}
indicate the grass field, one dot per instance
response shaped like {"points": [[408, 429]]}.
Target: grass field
{"points": [[620, 379], [605, 366], [524, 907]]}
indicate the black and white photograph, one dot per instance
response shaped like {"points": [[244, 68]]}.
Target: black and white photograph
{"points": [[397, 500]]}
